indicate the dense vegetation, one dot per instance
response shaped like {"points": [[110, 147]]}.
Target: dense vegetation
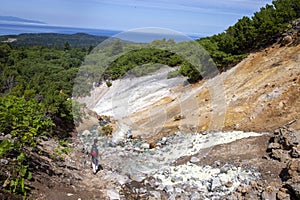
{"points": [[54, 39], [250, 34], [140, 57], [36, 86]]}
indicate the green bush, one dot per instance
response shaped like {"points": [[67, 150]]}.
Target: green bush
{"points": [[24, 120], [142, 62], [107, 130], [108, 83], [174, 74]]}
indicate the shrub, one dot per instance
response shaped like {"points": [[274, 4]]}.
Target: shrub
{"points": [[178, 117], [107, 130], [24, 120], [173, 74], [108, 83]]}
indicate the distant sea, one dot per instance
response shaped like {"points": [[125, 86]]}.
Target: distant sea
{"points": [[15, 29], [19, 28]]}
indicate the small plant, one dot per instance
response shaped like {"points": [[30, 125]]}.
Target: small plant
{"points": [[107, 130], [40, 152], [178, 117], [67, 150], [61, 150], [63, 143], [173, 74], [108, 83], [15, 183]]}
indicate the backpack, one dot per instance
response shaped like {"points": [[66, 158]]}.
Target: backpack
{"points": [[94, 151]]}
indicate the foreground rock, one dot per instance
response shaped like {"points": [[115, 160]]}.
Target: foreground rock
{"points": [[284, 147]]}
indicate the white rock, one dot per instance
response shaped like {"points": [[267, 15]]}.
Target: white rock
{"points": [[145, 146], [215, 184], [121, 134], [194, 159], [169, 189], [164, 140], [177, 179], [142, 190], [113, 194], [195, 196], [155, 195], [137, 176], [4, 161], [123, 179], [225, 168], [86, 133], [178, 190]]}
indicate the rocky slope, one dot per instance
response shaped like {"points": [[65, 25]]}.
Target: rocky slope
{"points": [[259, 94], [235, 136]]}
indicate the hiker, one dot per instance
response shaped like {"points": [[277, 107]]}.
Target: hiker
{"points": [[94, 156]]}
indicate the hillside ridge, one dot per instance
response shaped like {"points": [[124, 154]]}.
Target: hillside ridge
{"points": [[261, 95]]}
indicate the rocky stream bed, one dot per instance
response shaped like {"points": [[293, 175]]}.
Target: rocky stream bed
{"points": [[172, 167]]}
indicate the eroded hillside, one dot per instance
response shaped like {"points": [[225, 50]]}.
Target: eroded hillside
{"points": [[259, 94], [153, 155]]}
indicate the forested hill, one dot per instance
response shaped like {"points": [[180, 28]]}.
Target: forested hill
{"points": [[53, 39], [250, 34]]}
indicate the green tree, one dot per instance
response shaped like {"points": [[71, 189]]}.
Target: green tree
{"points": [[66, 46]]}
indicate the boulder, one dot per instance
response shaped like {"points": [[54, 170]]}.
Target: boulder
{"points": [[195, 196], [292, 171], [142, 191], [175, 179], [283, 195], [286, 40], [113, 194], [290, 141], [145, 146], [121, 134], [269, 193], [164, 140], [3, 161], [244, 189], [280, 155], [194, 159], [152, 145], [86, 133], [294, 165], [154, 195], [274, 146], [169, 189], [296, 24], [138, 176], [225, 168], [295, 152], [215, 184], [294, 187], [228, 184]]}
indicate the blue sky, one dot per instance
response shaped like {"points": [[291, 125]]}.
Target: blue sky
{"points": [[197, 17]]}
